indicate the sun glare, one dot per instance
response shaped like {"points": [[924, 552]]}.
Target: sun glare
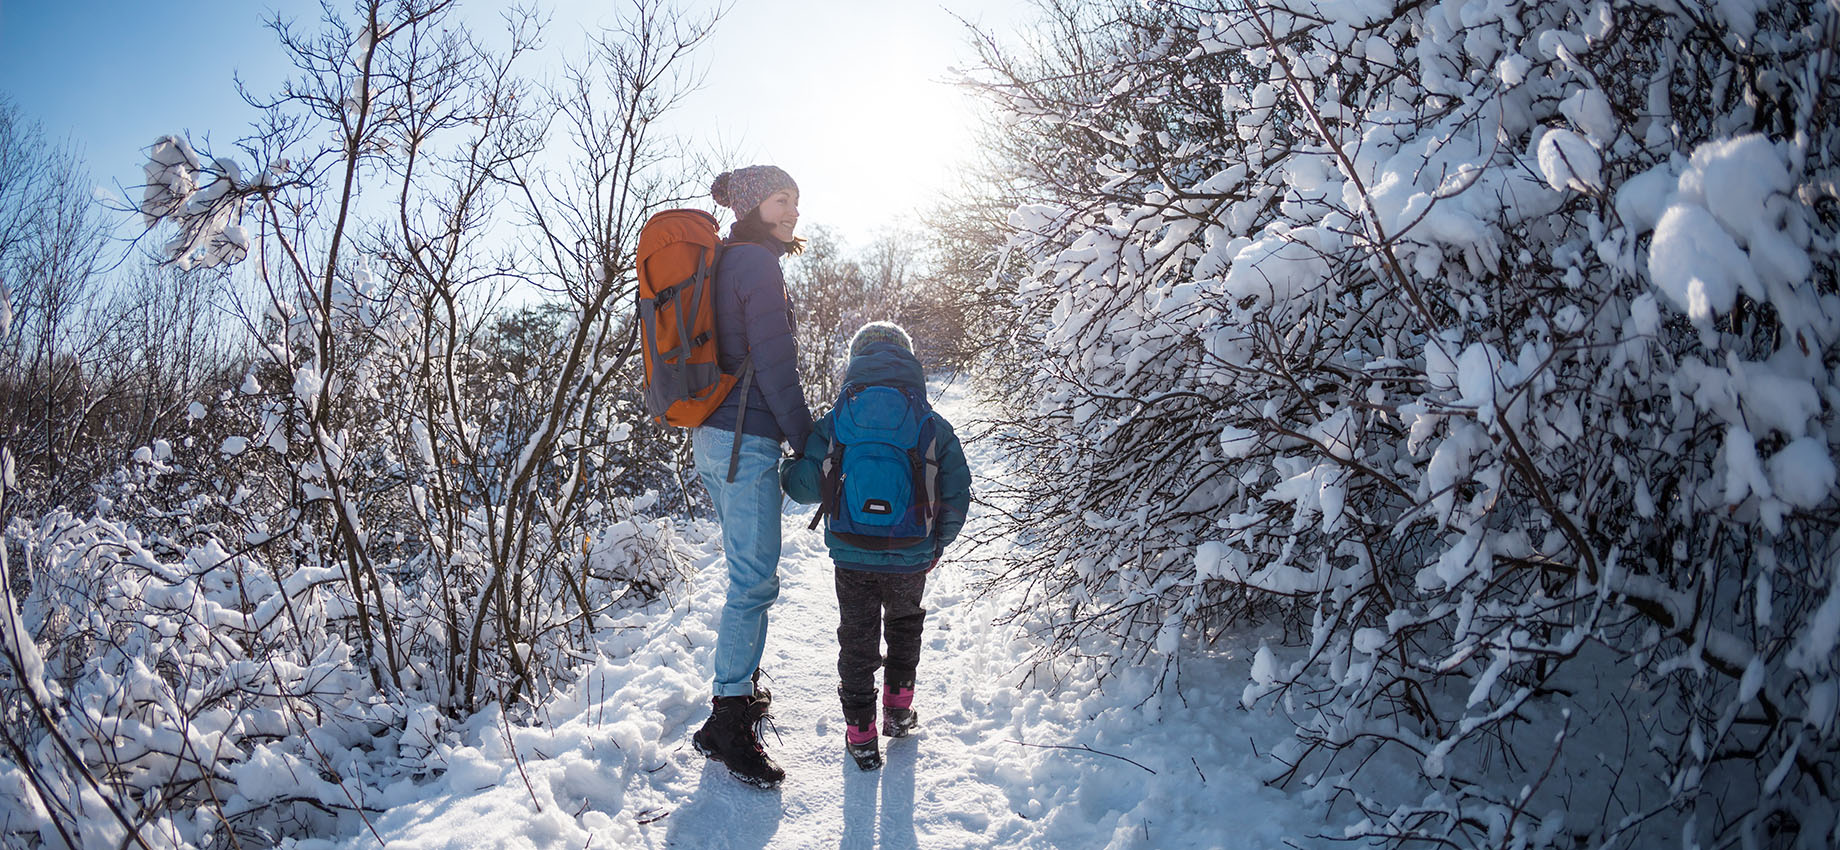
{"points": [[886, 141], [863, 114]]}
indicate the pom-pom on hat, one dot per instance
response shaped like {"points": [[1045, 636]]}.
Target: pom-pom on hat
{"points": [[743, 189], [879, 332]]}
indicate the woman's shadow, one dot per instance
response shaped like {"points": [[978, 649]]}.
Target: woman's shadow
{"points": [[725, 815], [894, 783]]}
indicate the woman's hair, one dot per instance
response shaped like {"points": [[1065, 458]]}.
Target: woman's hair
{"points": [[751, 228]]}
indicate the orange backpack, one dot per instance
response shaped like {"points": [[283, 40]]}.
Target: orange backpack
{"points": [[677, 317]]}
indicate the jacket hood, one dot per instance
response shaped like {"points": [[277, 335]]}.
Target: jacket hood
{"points": [[886, 364]]}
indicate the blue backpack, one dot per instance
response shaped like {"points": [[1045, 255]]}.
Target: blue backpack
{"points": [[880, 481]]}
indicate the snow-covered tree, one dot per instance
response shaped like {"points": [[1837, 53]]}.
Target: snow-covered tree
{"points": [[383, 395], [1490, 348]]}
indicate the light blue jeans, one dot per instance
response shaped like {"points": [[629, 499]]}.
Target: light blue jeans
{"points": [[749, 512]]}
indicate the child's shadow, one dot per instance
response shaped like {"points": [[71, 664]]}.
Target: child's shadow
{"points": [[895, 784], [898, 797]]}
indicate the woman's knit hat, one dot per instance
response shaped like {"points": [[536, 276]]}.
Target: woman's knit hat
{"points": [[744, 189], [879, 332]]}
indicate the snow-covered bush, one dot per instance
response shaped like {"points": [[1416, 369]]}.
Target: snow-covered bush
{"points": [[205, 695], [416, 502], [1490, 348]]}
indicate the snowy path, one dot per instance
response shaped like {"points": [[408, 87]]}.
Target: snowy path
{"points": [[609, 764]]}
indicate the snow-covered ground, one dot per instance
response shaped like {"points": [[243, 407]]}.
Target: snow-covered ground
{"points": [[998, 761]]}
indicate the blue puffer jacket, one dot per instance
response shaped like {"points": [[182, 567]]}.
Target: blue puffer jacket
{"points": [[886, 364], [754, 315]]}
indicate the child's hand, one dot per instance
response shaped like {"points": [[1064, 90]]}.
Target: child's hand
{"points": [[929, 567]]}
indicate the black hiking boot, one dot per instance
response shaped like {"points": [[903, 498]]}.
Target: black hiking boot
{"points": [[728, 737]]}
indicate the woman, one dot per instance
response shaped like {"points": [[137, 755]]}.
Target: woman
{"points": [[754, 334]]}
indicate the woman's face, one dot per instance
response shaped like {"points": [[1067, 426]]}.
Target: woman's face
{"points": [[780, 211]]}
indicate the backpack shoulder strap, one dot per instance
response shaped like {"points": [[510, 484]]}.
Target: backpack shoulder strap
{"points": [[929, 438], [828, 484], [747, 381]]}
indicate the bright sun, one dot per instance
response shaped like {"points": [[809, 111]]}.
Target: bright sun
{"points": [[888, 141], [854, 100]]}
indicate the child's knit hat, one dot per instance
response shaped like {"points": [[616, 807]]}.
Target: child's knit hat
{"points": [[744, 189], [879, 332]]}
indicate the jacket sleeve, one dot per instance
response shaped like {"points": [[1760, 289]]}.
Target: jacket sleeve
{"points": [[767, 320], [799, 476], [954, 486]]}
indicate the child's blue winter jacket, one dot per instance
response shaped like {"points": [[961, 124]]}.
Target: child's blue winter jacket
{"points": [[890, 365]]}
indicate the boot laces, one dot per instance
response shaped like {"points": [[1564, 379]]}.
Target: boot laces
{"points": [[764, 722]]}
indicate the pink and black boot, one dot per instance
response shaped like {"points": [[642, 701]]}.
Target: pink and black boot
{"points": [[859, 738], [898, 717]]}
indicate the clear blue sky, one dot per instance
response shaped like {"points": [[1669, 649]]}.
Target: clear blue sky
{"points": [[846, 95]]}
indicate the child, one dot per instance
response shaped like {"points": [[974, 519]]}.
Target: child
{"points": [[893, 487]]}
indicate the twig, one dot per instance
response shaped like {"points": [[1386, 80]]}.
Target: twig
{"points": [[518, 760], [1081, 747]]}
